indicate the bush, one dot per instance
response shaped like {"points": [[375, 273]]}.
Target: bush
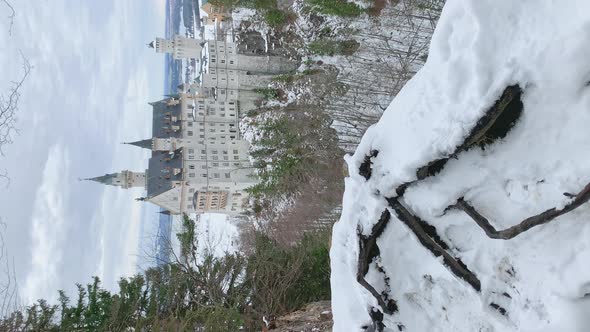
{"points": [[341, 8], [333, 47], [285, 279], [268, 93], [275, 17], [314, 281]]}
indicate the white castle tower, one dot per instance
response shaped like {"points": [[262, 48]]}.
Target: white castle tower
{"points": [[124, 179], [223, 55], [180, 47]]}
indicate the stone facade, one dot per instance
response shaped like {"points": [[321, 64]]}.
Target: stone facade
{"points": [[199, 162], [180, 47]]}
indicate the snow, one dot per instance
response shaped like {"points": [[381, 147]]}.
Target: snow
{"points": [[479, 48], [216, 234]]}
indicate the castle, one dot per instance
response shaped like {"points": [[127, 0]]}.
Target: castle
{"points": [[199, 161]]}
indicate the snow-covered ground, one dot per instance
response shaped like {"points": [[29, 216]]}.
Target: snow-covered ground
{"points": [[536, 281], [216, 234]]}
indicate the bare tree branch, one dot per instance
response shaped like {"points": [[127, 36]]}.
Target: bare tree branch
{"points": [[9, 106], [11, 16], [9, 299]]}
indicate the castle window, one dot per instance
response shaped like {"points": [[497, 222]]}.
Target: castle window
{"points": [[190, 124], [191, 175], [215, 165], [191, 190], [227, 175], [216, 175], [190, 133], [236, 157], [235, 151], [236, 164], [203, 152], [215, 158], [191, 167], [226, 164]]}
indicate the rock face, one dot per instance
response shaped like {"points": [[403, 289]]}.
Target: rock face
{"points": [[315, 316], [467, 204]]}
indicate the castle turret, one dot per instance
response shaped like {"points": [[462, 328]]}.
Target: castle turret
{"points": [[124, 179], [146, 143], [180, 47]]}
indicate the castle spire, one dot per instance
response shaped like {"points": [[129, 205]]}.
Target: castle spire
{"points": [[146, 143], [124, 179]]}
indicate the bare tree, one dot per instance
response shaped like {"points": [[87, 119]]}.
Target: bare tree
{"points": [[9, 103], [11, 16], [9, 299]]}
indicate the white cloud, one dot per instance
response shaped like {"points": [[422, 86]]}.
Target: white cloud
{"points": [[48, 227], [89, 89], [120, 215]]}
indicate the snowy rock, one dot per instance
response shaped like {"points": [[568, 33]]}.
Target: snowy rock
{"points": [[441, 165]]}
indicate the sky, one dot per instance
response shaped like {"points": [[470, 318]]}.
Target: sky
{"points": [[88, 90]]}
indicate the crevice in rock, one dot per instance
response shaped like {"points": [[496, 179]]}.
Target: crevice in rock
{"points": [[499, 309], [454, 265], [494, 125], [536, 220], [368, 251], [498, 120], [433, 168], [366, 170]]}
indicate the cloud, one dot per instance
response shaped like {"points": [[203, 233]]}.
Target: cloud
{"points": [[89, 88], [48, 227]]}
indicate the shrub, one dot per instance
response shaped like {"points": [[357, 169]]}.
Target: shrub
{"points": [[275, 17], [341, 8], [285, 279], [333, 47], [268, 93]]}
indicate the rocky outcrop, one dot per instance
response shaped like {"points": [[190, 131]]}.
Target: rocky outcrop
{"points": [[316, 317]]}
